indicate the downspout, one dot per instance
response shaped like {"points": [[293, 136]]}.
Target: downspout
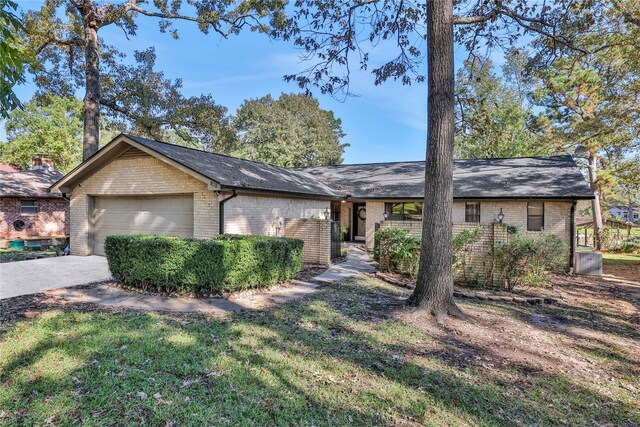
{"points": [[221, 209], [572, 226]]}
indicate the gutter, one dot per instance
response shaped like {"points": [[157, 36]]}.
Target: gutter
{"points": [[572, 227], [221, 210]]}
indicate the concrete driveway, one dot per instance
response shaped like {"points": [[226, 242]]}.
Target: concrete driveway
{"points": [[33, 276]]}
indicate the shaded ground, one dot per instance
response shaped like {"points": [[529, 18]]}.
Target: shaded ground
{"points": [[347, 355], [625, 266]]}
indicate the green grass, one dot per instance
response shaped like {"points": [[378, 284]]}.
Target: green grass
{"points": [[620, 258], [335, 358]]}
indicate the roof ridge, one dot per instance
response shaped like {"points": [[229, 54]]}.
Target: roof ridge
{"points": [[207, 152], [423, 161]]}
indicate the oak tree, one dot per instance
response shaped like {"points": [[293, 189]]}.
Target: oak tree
{"points": [[50, 127], [289, 131], [67, 52]]}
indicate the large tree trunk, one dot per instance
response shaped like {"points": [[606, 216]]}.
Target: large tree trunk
{"points": [[91, 135], [598, 227], [434, 287]]}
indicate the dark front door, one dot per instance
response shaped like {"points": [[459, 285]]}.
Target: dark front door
{"points": [[359, 221]]}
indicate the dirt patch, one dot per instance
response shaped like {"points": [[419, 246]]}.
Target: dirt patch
{"points": [[595, 319], [622, 270], [311, 271]]}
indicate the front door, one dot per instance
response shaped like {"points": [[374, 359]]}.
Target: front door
{"points": [[359, 221]]}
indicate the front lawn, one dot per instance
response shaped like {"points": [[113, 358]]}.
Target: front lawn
{"points": [[347, 355]]}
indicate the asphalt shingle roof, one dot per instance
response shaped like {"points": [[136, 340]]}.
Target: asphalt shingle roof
{"points": [[239, 173], [28, 183], [524, 177]]}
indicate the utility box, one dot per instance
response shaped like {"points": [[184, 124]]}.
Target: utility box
{"points": [[588, 263]]}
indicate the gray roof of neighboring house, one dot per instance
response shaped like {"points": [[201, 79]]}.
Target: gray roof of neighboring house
{"points": [[237, 173], [524, 177], [28, 183]]}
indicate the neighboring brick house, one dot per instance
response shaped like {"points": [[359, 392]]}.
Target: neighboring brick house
{"points": [[27, 208], [136, 185]]}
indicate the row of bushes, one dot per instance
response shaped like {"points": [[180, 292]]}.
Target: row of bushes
{"points": [[629, 246], [522, 260], [215, 266]]}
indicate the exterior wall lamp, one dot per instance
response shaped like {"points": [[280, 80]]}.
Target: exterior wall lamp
{"points": [[326, 213], [385, 215], [500, 216]]}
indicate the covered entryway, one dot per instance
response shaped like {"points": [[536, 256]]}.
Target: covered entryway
{"points": [[359, 221], [165, 215]]}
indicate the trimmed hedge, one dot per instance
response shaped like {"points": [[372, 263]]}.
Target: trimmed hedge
{"points": [[225, 263]]}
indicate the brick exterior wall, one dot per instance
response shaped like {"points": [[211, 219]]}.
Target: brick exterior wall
{"points": [[139, 176], [557, 217], [257, 214], [52, 218], [316, 234], [477, 264]]}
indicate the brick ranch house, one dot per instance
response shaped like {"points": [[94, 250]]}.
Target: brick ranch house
{"points": [[28, 210], [136, 185]]}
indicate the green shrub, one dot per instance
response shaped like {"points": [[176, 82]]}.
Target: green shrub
{"points": [[524, 260], [629, 246], [225, 263], [397, 250]]}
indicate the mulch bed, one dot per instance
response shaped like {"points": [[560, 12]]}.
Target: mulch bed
{"points": [[464, 292], [23, 256]]}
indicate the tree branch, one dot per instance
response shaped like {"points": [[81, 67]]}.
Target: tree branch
{"points": [[626, 15], [467, 20]]}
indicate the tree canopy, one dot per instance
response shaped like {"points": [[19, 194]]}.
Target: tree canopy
{"points": [[289, 131], [49, 127], [142, 101], [11, 57], [67, 53], [492, 113]]}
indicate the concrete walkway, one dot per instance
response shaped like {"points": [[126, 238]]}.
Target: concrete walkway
{"points": [[37, 275], [357, 262]]}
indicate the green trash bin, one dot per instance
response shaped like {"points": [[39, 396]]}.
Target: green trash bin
{"points": [[17, 244]]}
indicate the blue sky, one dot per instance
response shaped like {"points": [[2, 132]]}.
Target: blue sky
{"points": [[382, 123]]}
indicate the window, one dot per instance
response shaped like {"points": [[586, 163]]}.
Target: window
{"points": [[535, 216], [472, 212], [404, 211], [28, 207]]}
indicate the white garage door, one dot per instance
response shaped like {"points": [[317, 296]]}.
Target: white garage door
{"points": [[167, 215]]}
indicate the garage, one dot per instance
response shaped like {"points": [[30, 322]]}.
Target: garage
{"points": [[165, 215]]}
